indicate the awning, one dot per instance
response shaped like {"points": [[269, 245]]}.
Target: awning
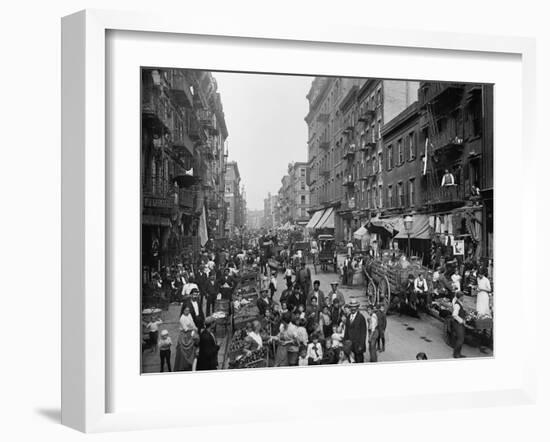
{"points": [[385, 226], [420, 228], [360, 232], [315, 219], [327, 221]]}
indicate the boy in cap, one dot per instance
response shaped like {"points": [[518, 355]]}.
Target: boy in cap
{"points": [[165, 344]]}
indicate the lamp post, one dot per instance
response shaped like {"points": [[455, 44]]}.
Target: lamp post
{"points": [[408, 223]]}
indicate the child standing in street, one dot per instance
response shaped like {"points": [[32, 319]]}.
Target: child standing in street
{"points": [[153, 328], [165, 344]]}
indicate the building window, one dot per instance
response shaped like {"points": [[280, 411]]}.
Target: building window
{"points": [[302, 172], [412, 146], [411, 193], [400, 195], [389, 157], [380, 196], [390, 196], [399, 152], [303, 199], [379, 130], [380, 161]]}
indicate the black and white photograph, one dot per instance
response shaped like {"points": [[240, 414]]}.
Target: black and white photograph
{"points": [[303, 220]]}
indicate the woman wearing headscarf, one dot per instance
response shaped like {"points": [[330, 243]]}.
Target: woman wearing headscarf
{"points": [[185, 348]]}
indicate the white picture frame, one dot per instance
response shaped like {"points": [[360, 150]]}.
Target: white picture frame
{"points": [[85, 233]]}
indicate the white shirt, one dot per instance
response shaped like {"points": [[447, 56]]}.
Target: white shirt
{"points": [[256, 338], [187, 323], [373, 322], [352, 317], [153, 326], [448, 179], [315, 351], [420, 285]]}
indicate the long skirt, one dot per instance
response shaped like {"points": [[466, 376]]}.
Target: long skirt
{"points": [[281, 357], [185, 352], [482, 304]]}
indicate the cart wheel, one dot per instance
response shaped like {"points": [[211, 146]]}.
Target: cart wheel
{"points": [[384, 292], [371, 292]]}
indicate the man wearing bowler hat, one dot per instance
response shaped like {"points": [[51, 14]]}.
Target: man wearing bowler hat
{"points": [[356, 330]]}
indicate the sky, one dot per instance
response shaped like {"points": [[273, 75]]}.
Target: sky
{"points": [[265, 120]]}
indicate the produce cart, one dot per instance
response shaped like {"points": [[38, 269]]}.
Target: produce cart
{"points": [[479, 329], [387, 277]]}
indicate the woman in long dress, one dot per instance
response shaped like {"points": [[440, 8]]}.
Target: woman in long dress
{"points": [[483, 289], [186, 346], [285, 339]]}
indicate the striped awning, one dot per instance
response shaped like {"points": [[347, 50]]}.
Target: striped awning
{"points": [[315, 219], [327, 221]]}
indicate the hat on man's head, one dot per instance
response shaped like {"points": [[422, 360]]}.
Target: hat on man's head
{"points": [[334, 283], [209, 320], [353, 303], [164, 333]]}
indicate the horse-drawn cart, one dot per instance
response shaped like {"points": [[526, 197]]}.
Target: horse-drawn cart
{"points": [[387, 277]]}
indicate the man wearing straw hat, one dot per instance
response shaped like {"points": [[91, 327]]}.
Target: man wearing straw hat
{"points": [[356, 330]]}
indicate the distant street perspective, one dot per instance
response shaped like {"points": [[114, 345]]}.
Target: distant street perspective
{"points": [[371, 243]]}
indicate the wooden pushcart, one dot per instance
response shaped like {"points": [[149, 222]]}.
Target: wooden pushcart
{"points": [[385, 279]]}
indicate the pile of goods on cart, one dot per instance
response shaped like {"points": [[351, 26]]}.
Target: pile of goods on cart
{"points": [[387, 275], [479, 328]]}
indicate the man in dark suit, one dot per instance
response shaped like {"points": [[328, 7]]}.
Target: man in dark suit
{"points": [[208, 347], [195, 309], [356, 331], [212, 289]]}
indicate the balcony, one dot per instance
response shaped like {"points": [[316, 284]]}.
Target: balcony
{"points": [[181, 90], [182, 140], [367, 116], [445, 141], [324, 172], [432, 92], [322, 117], [349, 152], [207, 119], [196, 131], [154, 111], [324, 144], [348, 204], [444, 195], [349, 181]]}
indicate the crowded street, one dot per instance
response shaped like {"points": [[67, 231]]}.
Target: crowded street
{"points": [[406, 336], [371, 243]]}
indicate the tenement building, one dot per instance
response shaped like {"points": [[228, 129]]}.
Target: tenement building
{"points": [[182, 165], [345, 149], [234, 200]]}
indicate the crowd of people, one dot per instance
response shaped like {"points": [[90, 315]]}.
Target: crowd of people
{"points": [[308, 326]]}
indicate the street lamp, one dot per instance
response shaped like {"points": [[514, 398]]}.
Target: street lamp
{"points": [[408, 223]]}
